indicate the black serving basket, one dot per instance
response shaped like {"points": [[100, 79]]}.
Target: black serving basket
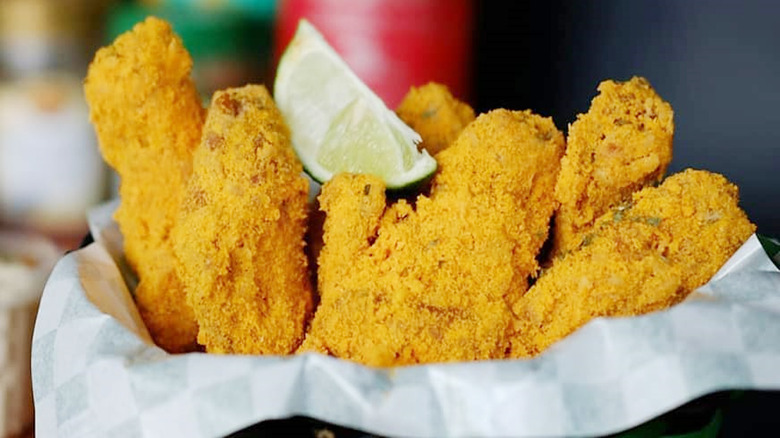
{"points": [[723, 414]]}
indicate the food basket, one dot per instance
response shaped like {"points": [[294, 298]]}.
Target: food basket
{"points": [[97, 373]]}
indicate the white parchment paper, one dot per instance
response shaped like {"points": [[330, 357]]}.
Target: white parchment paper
{"points": [[97, 373]]}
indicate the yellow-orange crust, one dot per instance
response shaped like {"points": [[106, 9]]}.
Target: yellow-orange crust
{"points": [[435, 282], [148, 118], [643, 256], [435, 114], [622, 144], [240, 239]]}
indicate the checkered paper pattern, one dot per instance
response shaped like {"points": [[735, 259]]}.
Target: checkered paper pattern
{"points": [[97, 373]]}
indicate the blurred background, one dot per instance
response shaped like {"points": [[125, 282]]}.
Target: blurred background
{"points": [[717, 62]]}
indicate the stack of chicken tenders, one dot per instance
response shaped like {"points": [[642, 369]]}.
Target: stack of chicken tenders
{"points": [[522, 236]]}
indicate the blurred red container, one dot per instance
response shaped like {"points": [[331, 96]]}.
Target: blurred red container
{"points": [[391, 44]]}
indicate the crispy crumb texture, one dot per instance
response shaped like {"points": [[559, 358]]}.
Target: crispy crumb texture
{"points": [[148, 118], [214, 213], [645, 255], [623, 143], [239, 240], [434, 282], [435, 114]]}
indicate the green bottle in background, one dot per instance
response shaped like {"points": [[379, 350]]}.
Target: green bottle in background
{"points": [[229, 40]]}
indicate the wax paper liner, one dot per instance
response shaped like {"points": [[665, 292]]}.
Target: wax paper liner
{"points": [[96, 372]]}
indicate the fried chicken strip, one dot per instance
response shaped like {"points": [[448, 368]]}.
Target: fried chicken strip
{"points": [[148, 118], [435, 114], [435, 282], [641, 257], [622, 144], [240, 240]]}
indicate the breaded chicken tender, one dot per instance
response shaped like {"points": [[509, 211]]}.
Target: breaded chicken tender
{"points": [[240, 239], [622, 144], [435, 114], [640, 257], [148, 118], [436, 281]]}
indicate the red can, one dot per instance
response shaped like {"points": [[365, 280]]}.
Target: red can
{"points": [[391, 44]]}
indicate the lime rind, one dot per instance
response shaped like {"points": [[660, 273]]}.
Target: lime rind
{"points": [[308, 107]]}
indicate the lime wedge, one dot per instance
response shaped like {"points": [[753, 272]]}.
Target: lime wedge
{"points": [[337, 123]]}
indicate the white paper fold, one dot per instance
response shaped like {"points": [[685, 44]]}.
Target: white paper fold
{"points": [[97, 373]]}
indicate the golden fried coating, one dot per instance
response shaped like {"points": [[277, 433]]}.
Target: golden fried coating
{"points": [[622, 144], [435, 282], [641, 257], [435, 114], [240, 238], [148, 118]]}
